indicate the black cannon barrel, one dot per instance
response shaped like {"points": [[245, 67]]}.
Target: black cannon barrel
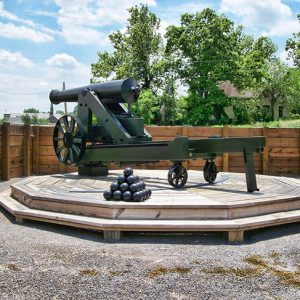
{"points": [[120, 91]]}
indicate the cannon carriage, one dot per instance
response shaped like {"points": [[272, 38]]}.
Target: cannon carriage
{"points": [[105, 131]]}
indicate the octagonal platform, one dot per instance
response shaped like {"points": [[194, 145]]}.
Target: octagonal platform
{"points": [[224, 206]]}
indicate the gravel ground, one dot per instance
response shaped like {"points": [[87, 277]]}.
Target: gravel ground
{"points": [[44, 261]]}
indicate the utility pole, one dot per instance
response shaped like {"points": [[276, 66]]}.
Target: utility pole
{"points": [[65, 103]]}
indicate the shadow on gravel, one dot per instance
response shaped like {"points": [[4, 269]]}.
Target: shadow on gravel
{"points": [[269, 233]]}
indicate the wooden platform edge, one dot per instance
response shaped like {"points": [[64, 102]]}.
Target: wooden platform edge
{"points": [[113, 228]]}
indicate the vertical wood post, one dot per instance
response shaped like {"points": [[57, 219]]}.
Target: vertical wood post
{"points": [[265, 156], [184, 132], [225, 155], [27, 152], [36, 150], [6, 150]]}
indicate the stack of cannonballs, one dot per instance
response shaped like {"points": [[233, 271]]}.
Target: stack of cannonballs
{"points": [[128, 188]]}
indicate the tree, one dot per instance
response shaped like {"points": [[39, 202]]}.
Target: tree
{"points": [[26, 119], [137, 52], [60, 112], [274, 87], [206, 46], [293, 47], [293, 91], [211, 50], [31, 110]]}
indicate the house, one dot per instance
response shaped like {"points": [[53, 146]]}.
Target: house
{"points": [[229, 90]]}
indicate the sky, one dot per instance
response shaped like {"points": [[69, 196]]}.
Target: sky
{"points": [[44, 43]]}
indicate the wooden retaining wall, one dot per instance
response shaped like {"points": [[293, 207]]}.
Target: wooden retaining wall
{"points": [[27, 150]]}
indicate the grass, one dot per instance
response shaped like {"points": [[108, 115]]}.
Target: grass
{"points": [[158, 271], [88, 272], [261, 265], [13, 267], [274, 124]]}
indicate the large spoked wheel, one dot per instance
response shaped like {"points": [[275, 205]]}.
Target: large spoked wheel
{"points": [[69, 140], [210, 171], [177, 175]]}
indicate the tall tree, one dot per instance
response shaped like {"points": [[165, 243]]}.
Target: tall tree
{"points": [[293, 47], [211, 50], [207, 49], [137, 52]]}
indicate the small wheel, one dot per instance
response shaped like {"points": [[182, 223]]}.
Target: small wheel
{"points": [[177, 176], [210, 171], [69, 140]]}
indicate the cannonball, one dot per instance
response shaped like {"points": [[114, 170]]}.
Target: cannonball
{"points": [[121, 179], [136, 178], [134, 187], [114, 186], [143, 185], [128, 172], [117, 195], [144, 195], [137, 196], [149, 192], [131, 179], [107, 195], [140, 186], [127, 196], [124, 186]]}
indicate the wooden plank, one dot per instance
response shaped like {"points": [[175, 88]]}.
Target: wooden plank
{"points": [[285, 162], [48, 169], [16, 140], [26, 151], [284, 132], [16, 161], [46, 140], [265, 156], [166, 131], [17, 130], [244, 132], [16, 151], [35, 149], [225, 155], [49, 159], [46, 130], [239, 161], [293, 142], [46, 150], [5, 150], [284, 171], [16, 171], [204, 131], [284, 152]]}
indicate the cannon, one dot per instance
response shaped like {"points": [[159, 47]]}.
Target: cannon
{"points": [[105, 131]]}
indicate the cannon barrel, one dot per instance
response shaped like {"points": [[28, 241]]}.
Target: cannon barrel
{"points": [[119, 91]]}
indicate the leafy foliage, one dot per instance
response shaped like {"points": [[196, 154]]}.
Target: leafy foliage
{"points": [[293, 47], [31, 110]]}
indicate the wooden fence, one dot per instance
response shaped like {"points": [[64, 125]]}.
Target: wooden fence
{"points": [[27, 150]]}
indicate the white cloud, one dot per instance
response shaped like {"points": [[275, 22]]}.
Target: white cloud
{"points": [[81, 22], [272, 17], [12, 31], [24, 84], [28, 30], [14, 60], [9, 16]]}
